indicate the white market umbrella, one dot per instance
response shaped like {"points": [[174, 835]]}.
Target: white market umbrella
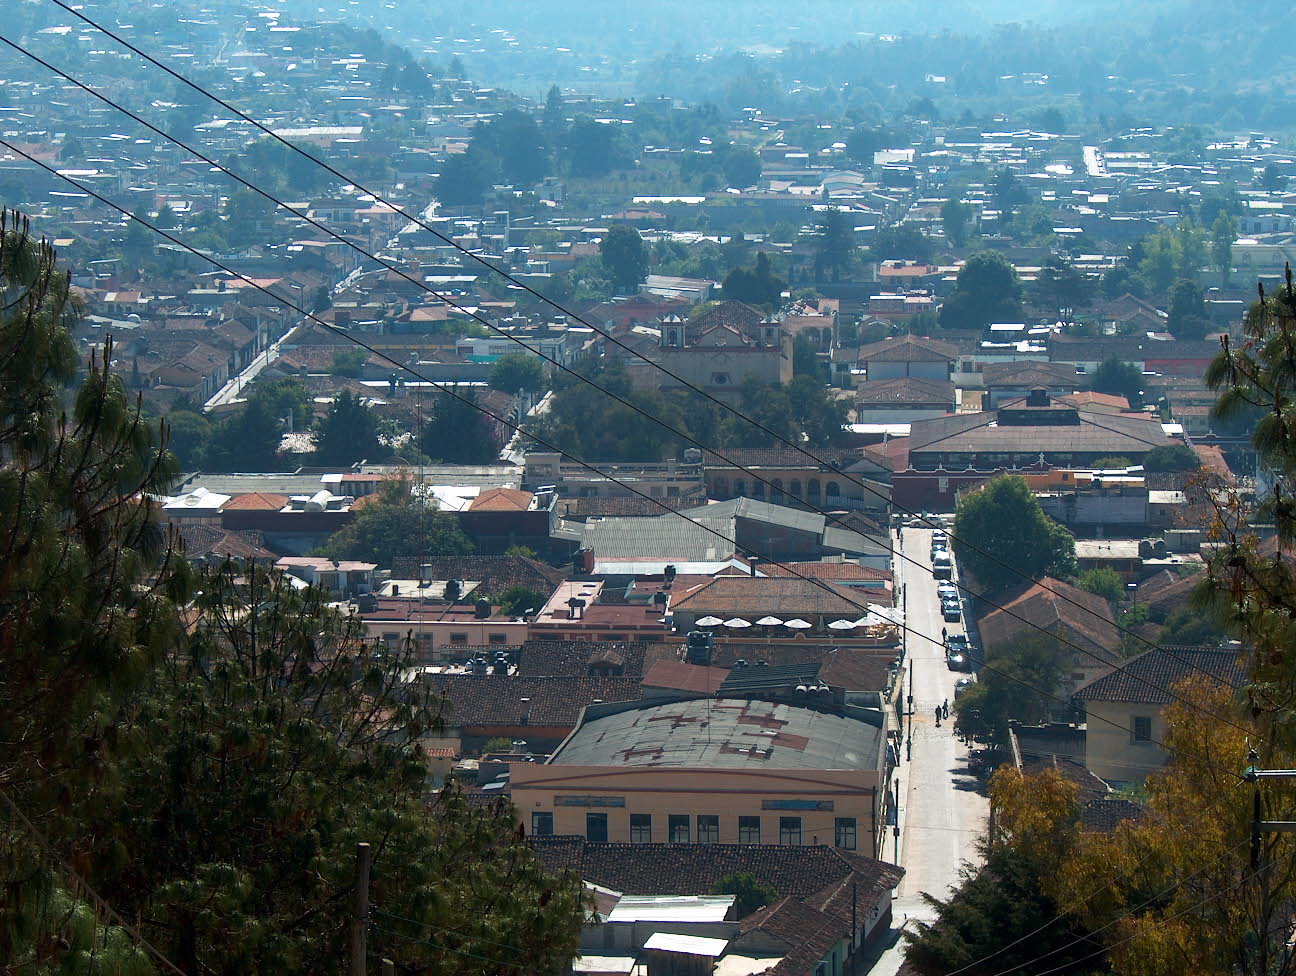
{"points": [[798, 624], [769, 622], [871, 620], [889, 614], [710, 622], [843, 625], [737, 623]]}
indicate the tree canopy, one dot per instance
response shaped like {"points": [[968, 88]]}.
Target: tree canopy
{"points": [[1118, 378], [398, 524], [624, 257], [1001, 535], [834, 244], [347, 433], [755, 286], [518, 372], [458, 432], [988, 290]]}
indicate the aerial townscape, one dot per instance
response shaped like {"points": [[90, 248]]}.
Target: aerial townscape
{"points": [[660, 489]]}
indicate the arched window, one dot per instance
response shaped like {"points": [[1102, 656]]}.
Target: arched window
{"points": [[758, 489], [833, 489], [813, 488], [740, 488], [795, 487], [721, 487], [777, 485]]}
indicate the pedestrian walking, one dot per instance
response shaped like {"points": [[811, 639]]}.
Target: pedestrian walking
{"points": [[938, 716], [945, 708]]}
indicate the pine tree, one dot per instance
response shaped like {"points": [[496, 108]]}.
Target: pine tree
{"points": [[347, 433]]}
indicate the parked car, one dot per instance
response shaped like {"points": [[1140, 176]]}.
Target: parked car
{"points": [[947, 591], [958, 652], [962, 685], [939, 538], [952, 612]]}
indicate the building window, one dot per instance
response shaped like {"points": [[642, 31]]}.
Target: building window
{"points": [[813, 488], [776, 486], [719, 379], [790, 830], [596, 828], [708, 829], [833, 489], [844, 829], [749, 830], [677, 828], [795, 487], [458, 638], [541, 824], [758, 489], [498, 638], [614, 637], [641, 828], [391, 639], [1142, 728]]}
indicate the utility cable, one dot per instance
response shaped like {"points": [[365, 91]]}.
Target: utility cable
{"points": [[490, 325], [518, 283], [516, 427]]}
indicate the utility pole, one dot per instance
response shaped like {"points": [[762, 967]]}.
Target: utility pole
{"points": [[360, 912]]}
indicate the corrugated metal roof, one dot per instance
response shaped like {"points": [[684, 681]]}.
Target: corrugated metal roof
{"points": [[692, 945], [672, 908]]}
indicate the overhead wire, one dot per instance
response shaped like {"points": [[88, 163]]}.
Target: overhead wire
{"points": [[89, 191], [516, 282], [899, 553]]}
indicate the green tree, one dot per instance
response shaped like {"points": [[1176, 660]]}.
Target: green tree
{"points": [[988, 290], [1272, 179], [166, 218], [1020, 685], [188, 434], [1002, 535], [594, 149], [1118, 378], [624, 257], [1007, 192], [863, 142], [834, 244], [553, 120], [458, 432], [349, 362], [1187, 317], [955, 218], [465, 178], [1171, 457], [247, 441], [518, 372], [347, 433], [755, 286], [752, 893], [1103, 582], [1112, 461], [905, 242], [805, 358], [516, 600], [1062, 289], [526, 552], [742, 167], [398, 524], [1223, 233]]}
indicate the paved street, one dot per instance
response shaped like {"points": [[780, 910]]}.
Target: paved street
{"points": [[942, 813], [234, 387]]}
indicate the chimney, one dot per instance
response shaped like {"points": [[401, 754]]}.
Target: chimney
{"points": [[525, 718], [1038, 397], [482, 610]]}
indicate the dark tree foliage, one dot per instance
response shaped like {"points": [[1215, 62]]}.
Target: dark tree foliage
{"points": [[1119, 378], [1062, 289], [751, 893], [1187, 314], [458, 432], [834, 244], [516, 600], [955, 217], [755, 286], [347, 433], [518, 372], [1171, 457], [594, 148], [995, 906], [1002, 536], [902, 242], [625, 257], [398, 524], [988, 291]]}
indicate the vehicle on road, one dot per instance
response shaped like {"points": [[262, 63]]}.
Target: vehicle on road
{"points": [[962, 685], [939, 538], [951, 612], [958, 652], [947, 591]]}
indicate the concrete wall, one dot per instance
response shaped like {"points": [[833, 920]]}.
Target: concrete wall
{"points": [[1111, 751]]}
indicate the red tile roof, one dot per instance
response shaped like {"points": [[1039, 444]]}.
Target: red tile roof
{"points": [[502, 500], [255, 501]]}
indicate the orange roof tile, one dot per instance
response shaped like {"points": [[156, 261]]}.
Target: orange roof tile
{"points": [[502, 500], [256, 501]]}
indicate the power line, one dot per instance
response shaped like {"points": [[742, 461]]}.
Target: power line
{"points": [[516, 282], [507, 423], [490, 325]]}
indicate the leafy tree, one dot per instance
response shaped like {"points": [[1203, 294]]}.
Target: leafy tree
{"points": [[465, 178], [347, 433], [1171, 457], [349, 362], [1223, 233], [1118, 378], [624, 257], [1112, 461], [515, 140], [834, 244], [863, 142], [166, 218], [1272, 179], [902, 242], [752, 893], [458, 432], [595, 148], [755, 286], [499, 744], [1062, 289], [1015, 688], [742, 167], [526, 552], [1187, 318], [1001, 916], [955, 217], [1002, 535], [1007, 192], [1103, 582], [988, 290], [398, 524], [188, 432], [247, 441], [517, 373], [553, 120], [516, 600]]}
